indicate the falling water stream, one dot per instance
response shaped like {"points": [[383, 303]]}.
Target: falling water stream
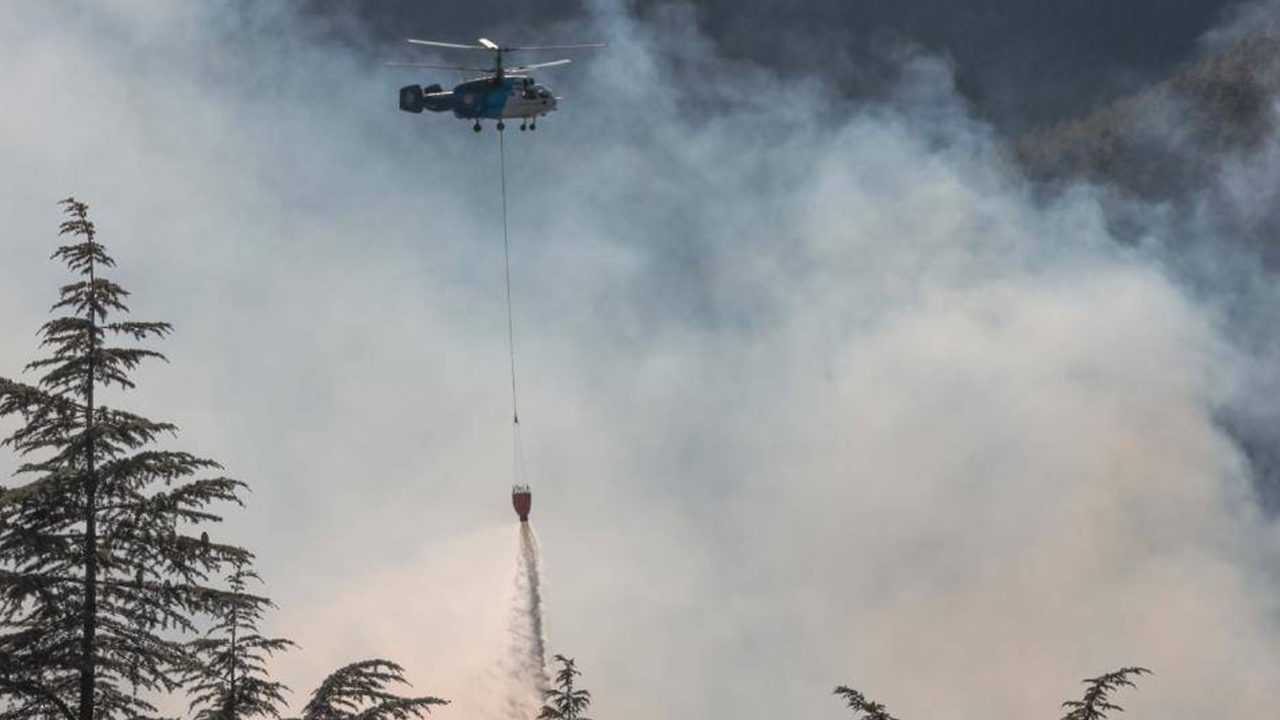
{"points": [[526, 664]]}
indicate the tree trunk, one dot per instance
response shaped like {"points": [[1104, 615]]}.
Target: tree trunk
{"points": [[235, 701], [89, 618]]}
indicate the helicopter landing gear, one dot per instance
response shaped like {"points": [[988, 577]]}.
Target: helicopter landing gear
{"points": [[476, 127], [524, 126], [533, 125], [501, 126]]}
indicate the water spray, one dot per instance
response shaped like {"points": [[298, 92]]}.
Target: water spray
{"points": [[526, 664]]}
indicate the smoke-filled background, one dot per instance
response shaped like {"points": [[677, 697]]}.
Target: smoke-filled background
{"points": [[824, 380]]}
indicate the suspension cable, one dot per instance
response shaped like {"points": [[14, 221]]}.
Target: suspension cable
{"points": [[517, 442]]}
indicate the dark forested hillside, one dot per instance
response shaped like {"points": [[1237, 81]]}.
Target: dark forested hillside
{"points": [[1168, 140]]}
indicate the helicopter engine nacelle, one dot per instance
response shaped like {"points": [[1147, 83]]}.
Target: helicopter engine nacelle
{"points": [[411, 99]]}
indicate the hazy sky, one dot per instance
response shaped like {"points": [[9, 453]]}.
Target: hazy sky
{"points": [[1023, 63], [816, 389]]}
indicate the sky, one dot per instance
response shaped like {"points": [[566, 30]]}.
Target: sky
{"points": [[1022, 64], [816, 389]]}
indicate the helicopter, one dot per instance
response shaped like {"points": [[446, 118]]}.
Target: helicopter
{"points": [[504, 92]]}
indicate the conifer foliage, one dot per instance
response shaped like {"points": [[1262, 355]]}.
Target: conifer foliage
{"points": [[861, 706], [102, 558], [360, 690], [230, 678], [564, 701], [1096, 703]]}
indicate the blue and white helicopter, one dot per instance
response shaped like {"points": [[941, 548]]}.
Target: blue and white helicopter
{"points": [[505, 92]]}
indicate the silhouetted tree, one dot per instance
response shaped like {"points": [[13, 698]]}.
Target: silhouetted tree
{"points": [[102, 564], [564, 701], [229, 679], [359, 690], [861, 706], [1096, 701]]}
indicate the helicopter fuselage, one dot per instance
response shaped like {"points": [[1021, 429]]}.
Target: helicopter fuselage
{"points": [[510, 96]]}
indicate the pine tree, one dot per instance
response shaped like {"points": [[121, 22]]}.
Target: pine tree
{"points": [[1096, 702], [359, 690], [564, 701], [861, 706], [230, 678], [102, 562]]}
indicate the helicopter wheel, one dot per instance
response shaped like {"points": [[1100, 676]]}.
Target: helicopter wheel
{"points": [[524, 126], [501, 126], [533, 125], [476, 127]]}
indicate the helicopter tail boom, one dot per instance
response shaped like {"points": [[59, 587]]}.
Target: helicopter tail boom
{"points": [[415, 99]]}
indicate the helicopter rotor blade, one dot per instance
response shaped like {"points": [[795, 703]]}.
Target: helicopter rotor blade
{"points": [[434, 43], [555, 47], [536, 66], [437, 67], [491, 45]]}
